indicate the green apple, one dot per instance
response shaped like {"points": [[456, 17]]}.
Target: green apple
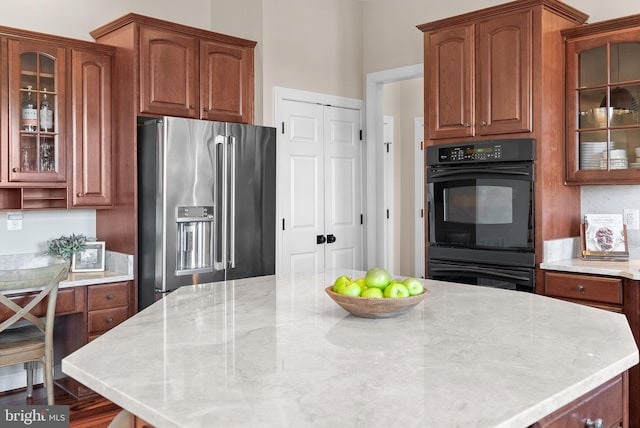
{"points": [[377, 277], [343, 279], [350, 289], [372, 293], [414, 286], [362, 283], [397, 289]]}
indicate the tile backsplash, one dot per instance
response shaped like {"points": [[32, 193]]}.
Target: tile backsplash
{"points": [[613, 199]]}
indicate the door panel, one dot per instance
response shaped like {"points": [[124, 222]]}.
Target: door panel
{"points": [[168, 73], [302, 188], [342, 187]]}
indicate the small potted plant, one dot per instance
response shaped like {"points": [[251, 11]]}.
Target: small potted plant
{"points": [[66, 246]]}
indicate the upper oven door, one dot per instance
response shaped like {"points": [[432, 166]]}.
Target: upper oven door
{"points": [[486, 206]]}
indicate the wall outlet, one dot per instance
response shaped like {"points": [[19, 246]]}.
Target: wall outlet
{"points": [[631, 218], [14, 220]]}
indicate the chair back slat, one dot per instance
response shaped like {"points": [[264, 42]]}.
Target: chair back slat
{"points": [[45, 279]]}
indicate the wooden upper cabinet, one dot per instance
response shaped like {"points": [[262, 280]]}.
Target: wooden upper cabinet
{"points": [[168, 73], [185, 71], [504, 55], [36, 140], [226, 78], [450, 83], [91, 74], [603, 98], [479, 77]]}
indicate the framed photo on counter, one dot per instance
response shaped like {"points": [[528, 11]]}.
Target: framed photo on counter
{"points": [[91, 259]]}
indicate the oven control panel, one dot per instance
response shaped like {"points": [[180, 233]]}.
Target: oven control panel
{"points": [[482, 152]]}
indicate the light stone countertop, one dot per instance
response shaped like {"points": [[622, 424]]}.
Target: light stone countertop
{"points": [[118, 267], [624, 269], [277, 351]]}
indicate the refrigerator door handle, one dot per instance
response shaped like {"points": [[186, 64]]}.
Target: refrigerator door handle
{"points": [[220, 195], [232, 205]]}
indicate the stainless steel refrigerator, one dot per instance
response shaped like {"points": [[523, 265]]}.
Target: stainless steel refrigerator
{"points": [[206, 203]]}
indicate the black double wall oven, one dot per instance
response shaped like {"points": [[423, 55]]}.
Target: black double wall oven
{"points": [[481, 213]]}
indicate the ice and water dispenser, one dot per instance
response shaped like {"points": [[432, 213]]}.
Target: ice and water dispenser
{"points": [[194, 239]]}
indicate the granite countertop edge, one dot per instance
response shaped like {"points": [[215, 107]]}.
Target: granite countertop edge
{"points": [[118, 267], [625, 269]]}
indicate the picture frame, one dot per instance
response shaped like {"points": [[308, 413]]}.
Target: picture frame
{"points": [[91, 259], [604, 237]]}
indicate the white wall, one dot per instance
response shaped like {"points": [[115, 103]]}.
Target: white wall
{"points": [[312, 45], [76, 19], [404, 101]]}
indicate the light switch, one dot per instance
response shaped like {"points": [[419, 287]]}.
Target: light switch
{"points": [[631, 218], [14, 220]]}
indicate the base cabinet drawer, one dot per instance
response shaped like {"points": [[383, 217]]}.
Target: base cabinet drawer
{"points": [[105, 319], [67, 302], [107, 295], [584, 287], [607, 403]]}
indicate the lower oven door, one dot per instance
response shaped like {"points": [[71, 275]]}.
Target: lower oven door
{"points": [[507, 277]]}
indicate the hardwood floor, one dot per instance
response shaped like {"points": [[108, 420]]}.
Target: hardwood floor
{"points": [[94, 412]]}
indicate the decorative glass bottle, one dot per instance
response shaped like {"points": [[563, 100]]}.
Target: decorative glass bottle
{"points": [[29, 112], [46, 114]]}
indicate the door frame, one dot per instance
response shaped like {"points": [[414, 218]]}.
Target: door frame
{"points": [[287, 94], [388, 195], [420, 211], [374, 125]]}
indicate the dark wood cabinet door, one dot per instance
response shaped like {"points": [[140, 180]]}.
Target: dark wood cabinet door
{"points": [[504, 55], [450, 81], [226, 80], [168, 73], [36, 72], [91, 184]]}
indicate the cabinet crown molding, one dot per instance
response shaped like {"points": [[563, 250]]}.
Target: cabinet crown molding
{"points": [[600, 27], [554, 6], [134, 18]]}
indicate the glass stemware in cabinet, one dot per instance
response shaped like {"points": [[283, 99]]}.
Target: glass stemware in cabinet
{"points": [[47, 154]]}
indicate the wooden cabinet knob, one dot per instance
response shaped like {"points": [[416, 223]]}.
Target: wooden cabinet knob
{"points": [[15, 170], [110, 297], [109, 320], [580, 288]]}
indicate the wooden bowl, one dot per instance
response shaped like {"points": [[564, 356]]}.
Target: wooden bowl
{"points": [[366, 307]]}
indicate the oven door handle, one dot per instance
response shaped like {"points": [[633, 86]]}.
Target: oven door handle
{"points": [[493, 272], [501, 171]]}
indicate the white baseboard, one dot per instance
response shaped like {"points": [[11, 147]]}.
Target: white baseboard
{"points": [[14, 377]]}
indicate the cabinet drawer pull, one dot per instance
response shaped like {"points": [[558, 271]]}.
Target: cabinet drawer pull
{"points": [[483, 123], [80, 194], [580, 288], [467, 125], [109, 320], [598, 423], [15, 170], [110, 296]]}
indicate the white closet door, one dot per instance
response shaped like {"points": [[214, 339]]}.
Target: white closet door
{"points": [[343, 195], [302, 187], [320, 190]]}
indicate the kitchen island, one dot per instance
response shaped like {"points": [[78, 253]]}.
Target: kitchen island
{"points": [[277, 351]]}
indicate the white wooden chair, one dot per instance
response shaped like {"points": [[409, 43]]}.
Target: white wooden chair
{"points": [[24, 338]]}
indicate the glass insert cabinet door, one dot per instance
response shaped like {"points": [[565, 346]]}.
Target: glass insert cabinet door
{"points": [[604, 86], [36, 88]]}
